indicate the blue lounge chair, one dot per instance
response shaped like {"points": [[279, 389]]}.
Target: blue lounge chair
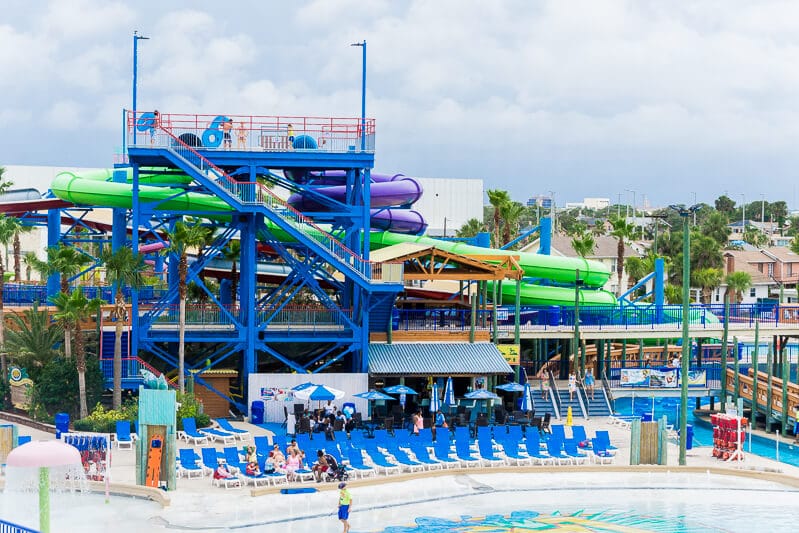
{"points": [[570, 448], [210, 459], [578, 433], [422, 455], [404, 460], [558, 431], [600, 453], [381, 462], [464, 454], [262, 447], [187, 463], [441, 451], [216, 434], [355, 458], [555, 450], [487, 456], [512, 455], [604, 437], [533, 444], [224, 423], [190, 433], [123, 436], [233, 459]]}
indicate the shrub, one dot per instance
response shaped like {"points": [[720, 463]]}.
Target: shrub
{"points": [[103, 420], [190, 407], [56, 390]]}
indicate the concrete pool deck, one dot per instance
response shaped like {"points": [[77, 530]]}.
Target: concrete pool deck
{"points": [[699, 459]]}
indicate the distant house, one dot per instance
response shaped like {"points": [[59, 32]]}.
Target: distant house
{"points": [[738, 228], [604, 252], [769, 268]]}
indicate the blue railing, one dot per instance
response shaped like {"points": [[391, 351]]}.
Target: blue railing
{"points": [[24, 294], [600, 317], [9, 527]]}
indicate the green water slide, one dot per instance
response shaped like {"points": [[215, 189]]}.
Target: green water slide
{"points": [[98, 189]]}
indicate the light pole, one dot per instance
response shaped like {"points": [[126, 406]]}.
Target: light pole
{"points": [[763, 209], [694, 193], [743, 214], [136, 39], [686, 309], [628, 212], [552, 211], [363, 93]]}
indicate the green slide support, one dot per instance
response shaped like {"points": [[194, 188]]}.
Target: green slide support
{"points": [[97, 189]]}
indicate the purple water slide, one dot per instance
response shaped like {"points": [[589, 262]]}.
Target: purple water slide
{"points": [[386, 191]]}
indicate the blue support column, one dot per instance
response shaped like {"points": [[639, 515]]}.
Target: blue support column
{"points": [[134, 296], [366, 210], [247, 290], [53, 236], [546, 236], [658, 288]]}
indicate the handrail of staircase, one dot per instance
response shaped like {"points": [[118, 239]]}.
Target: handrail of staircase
{"points": [[554, 395], [580, 392], [608, 392], [366, 269]]}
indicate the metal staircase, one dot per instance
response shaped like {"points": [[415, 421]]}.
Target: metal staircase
{"points": [[255, 197]]}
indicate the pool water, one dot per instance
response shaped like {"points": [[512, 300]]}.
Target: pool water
{"points": [[703, 431]]}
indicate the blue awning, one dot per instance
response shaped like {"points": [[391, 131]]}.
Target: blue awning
{"points": [[436, 359]]}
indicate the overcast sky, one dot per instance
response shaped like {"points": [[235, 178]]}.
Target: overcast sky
{"points": [[583, 98]]}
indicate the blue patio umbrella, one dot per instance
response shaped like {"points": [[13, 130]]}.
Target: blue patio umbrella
{"points": [[302, 386], [481, 394], [435, 401], [373, 395], [399, 389], [511, 387], [527, 399], [449, 393], [319, 393]]}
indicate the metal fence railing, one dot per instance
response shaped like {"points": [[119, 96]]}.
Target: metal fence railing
{"points": [[602, 318], [26, 294], [10, 527]]}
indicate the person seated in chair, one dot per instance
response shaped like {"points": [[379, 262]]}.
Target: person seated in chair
{"points": [[253, 469], [320, 467], [321, 423], [222, 471]]}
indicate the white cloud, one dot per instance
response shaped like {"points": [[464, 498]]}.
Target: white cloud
{"points": [[66, 115]]}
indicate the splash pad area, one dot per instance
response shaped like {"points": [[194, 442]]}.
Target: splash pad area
{"points": [[606, 501]]}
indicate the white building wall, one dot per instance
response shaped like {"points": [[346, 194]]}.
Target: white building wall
{"points": [[456, 199]]}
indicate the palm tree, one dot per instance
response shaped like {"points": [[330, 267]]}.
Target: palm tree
{"points": [[471, 228], [181, 239], [33, 337], [8, 226], [715, 226], [738, 282], [637, 268], [122, 268], [673, 293], [511, 213], [583, 241], [707, 279], [30, 260], [623, 231], [497, 199], [232, 252], [73, 309], [755, 237], [18, 250], [66, 261]]}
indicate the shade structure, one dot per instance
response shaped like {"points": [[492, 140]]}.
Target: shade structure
{"points": [[435, 401], [319, 393], [481, 394], [43, 453], [511, 387], [302, 386], [449, 393], [399, 389], [373, 395], [527, 399]]}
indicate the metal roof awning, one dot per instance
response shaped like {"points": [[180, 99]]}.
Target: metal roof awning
{"points": [[436, 359]]}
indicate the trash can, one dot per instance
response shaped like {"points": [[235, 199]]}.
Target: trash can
{"points": [[689, 436], [257, 412], [61, 424]]}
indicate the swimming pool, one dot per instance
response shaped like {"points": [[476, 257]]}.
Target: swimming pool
{"points": [[703, 431], [497, 502]]}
